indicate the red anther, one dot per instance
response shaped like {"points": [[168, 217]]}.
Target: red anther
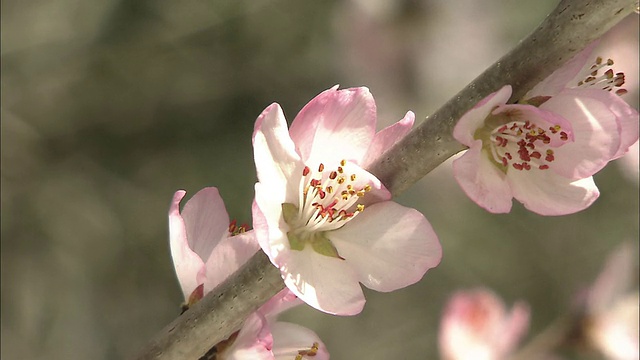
{"points": [[526, 166], [564, 136], [621, 92], [314, 182], [306, 171], [321, 193], [543, 167], [333, 175], [549, 157], [504, 161], [517, 166], [502, 128], [508, 155], [609, 74]]}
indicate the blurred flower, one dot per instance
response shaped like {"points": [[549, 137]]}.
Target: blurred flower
{"points": [[205, 251], [544, 150], [611, 315], [476, 325], [309, 211]]}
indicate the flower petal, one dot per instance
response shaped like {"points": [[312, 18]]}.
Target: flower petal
{"points": [[595, 131], [335, 125], [387, 137], [282, 301], [516, 326], [228, 256], [474, 119], [206, 221], [626, 117], [325, 283], [547, 193], [563, 77], [388, 245], [274, 153], [254, 341], [289, 339], [482, 181], [189, 267], [268, 222]]}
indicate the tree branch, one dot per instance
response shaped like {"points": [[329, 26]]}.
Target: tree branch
{"points": [[567, 30]]}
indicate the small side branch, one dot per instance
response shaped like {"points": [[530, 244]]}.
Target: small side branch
{"points": [[567, 30]]}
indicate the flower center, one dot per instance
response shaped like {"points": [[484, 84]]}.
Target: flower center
{"points": [[328, 200], [603, 79], [521, 145]]}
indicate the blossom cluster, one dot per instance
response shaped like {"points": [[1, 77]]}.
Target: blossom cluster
{"points": [[329, 225]]}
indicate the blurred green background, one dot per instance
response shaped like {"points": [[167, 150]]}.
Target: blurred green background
{"points": [[110, 106]]}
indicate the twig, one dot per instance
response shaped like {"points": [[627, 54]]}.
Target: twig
{"points": [[567, 30]]}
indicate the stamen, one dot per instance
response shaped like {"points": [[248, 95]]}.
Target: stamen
{"points": [[607, 81], [527, 142]]}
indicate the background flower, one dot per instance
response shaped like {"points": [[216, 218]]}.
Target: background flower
{"points": [[477, 325]]}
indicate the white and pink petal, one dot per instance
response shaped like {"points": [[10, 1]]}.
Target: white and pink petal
{"points": [[335, 125], [291, 340], [190, 269], [387, 137], [325, 283], [482, 181], [547, 193], [389, 246]]}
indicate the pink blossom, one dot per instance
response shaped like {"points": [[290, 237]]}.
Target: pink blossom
{"points": [[611, 309], [322, 219], [205, 251], [476, 325], [544, 150]]}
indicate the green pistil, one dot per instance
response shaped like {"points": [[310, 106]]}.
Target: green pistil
{"points": [[299, 238]]}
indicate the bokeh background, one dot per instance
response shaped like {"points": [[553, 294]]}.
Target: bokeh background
{"points": [[109, 106]]}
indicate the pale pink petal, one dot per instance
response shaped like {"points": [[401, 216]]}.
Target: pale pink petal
{"points": [[228, 256], [387, 137], [630, 163], [547, 193], [206, 221], [516, 326], [274, 153], [626, 117], [325, 283], [289, 339], [254, 341], [595, 131], [335, 125], [284, 300], [615, 332], [474, 119], [277, 164], [268, 222], [189, 266], [565, 76], [388, 245], [482, 181], [615, 279]]}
